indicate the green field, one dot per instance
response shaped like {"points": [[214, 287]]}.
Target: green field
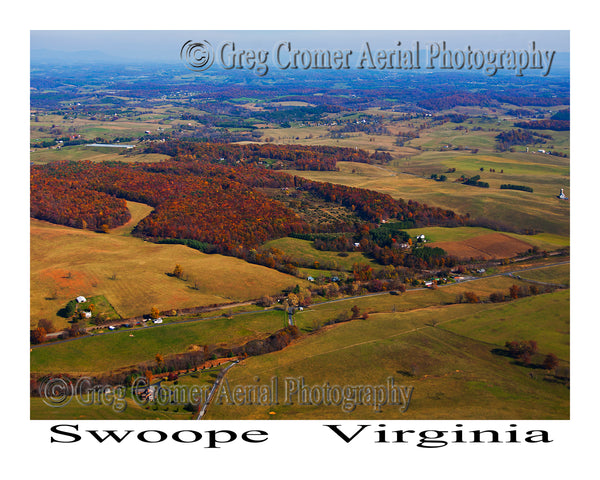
{"points": [[90, 354], [522, 210], [559, 275], [101, 353], [544, 318], [454, 376], [94, 154], [452, 366], [51, 126], [304, 251]]}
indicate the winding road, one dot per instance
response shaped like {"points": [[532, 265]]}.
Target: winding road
{"points": [[512, 273]]}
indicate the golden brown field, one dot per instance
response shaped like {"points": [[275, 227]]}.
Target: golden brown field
{"points": [[132, 273], [486, 247]]}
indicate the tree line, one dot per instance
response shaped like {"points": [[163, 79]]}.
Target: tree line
{"points": [[214, 208], [300, 157]]}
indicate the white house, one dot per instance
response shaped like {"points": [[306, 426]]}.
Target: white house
{"points": [[87, 314], [81, 299], [562, 195], [157, 320]]}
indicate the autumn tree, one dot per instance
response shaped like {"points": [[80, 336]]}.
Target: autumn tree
{"points": [[47, 325], [355, 311], [362, 271], [37, 336], [265, 301], [159, 359], [154, 312], [292, 300], [75, 330], [550, 362], [178, 271], [471, 297], [514, 291], [523, 350], [333, 290], [496, 297], [534, 290]]}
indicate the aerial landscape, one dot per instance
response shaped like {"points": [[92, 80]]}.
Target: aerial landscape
{"points": [[222, 242]]}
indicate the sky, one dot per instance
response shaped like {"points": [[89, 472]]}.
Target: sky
{"points": [[164, 45]]}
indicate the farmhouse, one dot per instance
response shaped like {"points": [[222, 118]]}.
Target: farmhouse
{"points": [[81, 299]]}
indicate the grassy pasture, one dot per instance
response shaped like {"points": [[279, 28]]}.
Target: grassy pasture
{"points": [[410, 301], [100, 353], [319, 135], [544, 241], [540, 209], [137, 211], [303, 249], [560, 275], [438, 137], [89, 129], [544, 318], [38, 410], [94, 154], [89, 354], [454, 376], [451, 366], [132, 273]]}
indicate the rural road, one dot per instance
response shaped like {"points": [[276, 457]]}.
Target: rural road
{"points": [[512, 273], [213, 390]]}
